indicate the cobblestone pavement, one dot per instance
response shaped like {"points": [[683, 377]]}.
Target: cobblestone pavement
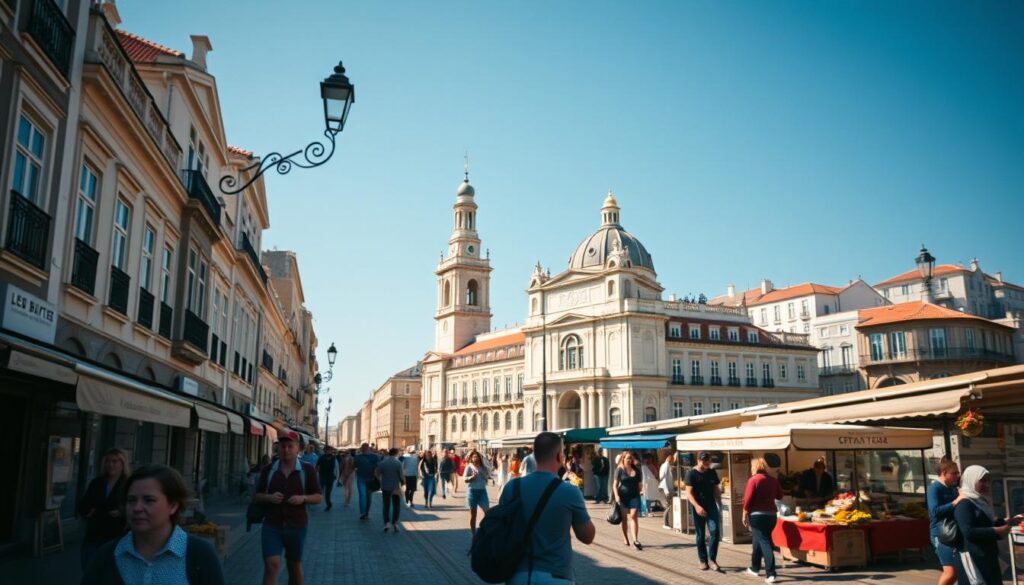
{"points": [[433, 544]]}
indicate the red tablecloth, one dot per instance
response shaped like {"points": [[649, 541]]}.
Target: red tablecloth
{"points": [[889, 536], [884, 536]]}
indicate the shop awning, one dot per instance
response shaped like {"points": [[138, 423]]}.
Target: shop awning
{"points": [[805, 436], [271, 433], [110, 394], [518, 441], [637, 441], [235, 423], [210, 419], [592, 435], [256, 427]]}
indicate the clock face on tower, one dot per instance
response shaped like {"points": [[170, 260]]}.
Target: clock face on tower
{"points": [[470, 249]]}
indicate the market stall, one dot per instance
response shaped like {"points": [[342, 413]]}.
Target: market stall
{"points": [[879, 480], [583, 444]]}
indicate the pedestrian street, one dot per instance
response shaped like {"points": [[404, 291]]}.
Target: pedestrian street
{"points": [[432, 547]]}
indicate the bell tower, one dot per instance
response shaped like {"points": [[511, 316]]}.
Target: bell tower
{"points": [[463, 279]]}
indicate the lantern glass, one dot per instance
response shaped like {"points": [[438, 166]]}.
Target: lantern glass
{"points": [[925, 263], [332, 354]]}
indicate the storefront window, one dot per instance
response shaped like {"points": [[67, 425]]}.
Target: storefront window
{"points": [[880, 472]]}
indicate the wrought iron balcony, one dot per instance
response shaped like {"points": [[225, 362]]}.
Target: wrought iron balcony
{"points": [[678, 379], [768, 382], [697, 380], [752, 382], [28, 231], [199, 190], [119, 284], [485, 397], [464, 400], [83, 267], [475, 400], [805, 314], [146, 302], [53, 33], [836, 370], [254, 257], [519, 394], [716, 380], [734, 381], [496, 397], [166, 316], [938, 353], [508, 397], [197, 332]]}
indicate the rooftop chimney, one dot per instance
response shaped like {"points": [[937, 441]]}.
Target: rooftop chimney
{"points": [[200, 47], [109, 8], [974, 264], [672, 297], [999, 276], [766, 286], [730, 291]]}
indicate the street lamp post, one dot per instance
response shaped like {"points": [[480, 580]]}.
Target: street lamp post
{"points": [[327, 422], [543, 362], [338, 95], [926, 266]]}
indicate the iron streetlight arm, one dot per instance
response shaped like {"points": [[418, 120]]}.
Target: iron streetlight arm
{"points": [[313, 155]]}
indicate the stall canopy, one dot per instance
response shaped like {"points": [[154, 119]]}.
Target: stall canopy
{"points": [[256, 427], [713, 420], [210, 419], [805, 436], [110, 394], [235, 423], [592, 435], [637, 441]]}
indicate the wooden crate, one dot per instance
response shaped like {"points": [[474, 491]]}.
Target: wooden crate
{"points": [[849, 549]]}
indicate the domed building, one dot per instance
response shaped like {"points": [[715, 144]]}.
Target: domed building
{"points": [[599, 337]]}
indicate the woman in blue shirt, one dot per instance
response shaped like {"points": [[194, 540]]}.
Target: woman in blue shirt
{"points": [[980, 528], [943, 497]]}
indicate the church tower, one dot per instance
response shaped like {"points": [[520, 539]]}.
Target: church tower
{"points": [[463, 279]]}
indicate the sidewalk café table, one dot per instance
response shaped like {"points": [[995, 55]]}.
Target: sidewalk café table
{"points": [[882, 458]]}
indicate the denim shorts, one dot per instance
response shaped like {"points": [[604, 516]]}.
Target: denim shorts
{"points": [[477, 498], [944, 552], [631, 504], [276, 539]]}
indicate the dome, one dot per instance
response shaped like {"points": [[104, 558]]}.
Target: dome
{"points": [[465, 189], [610, 243]]}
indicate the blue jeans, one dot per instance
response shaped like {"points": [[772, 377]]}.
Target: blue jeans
{"points": [[365, 497], [707, 544], [602, 488], [429, 486], [761, 526]]}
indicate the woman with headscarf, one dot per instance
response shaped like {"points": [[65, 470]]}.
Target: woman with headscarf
{"points": [[980, 528]]}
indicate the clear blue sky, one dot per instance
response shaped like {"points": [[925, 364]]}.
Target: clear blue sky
{"points": [[791, 140]]}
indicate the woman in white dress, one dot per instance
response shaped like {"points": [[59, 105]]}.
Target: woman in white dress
{"points": [[502, 470]]}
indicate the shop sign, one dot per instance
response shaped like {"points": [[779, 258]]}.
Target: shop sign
{"points": [[29, 315], [188, 385]]}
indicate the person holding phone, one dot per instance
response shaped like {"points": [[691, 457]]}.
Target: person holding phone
{"points": [[980, 528]]}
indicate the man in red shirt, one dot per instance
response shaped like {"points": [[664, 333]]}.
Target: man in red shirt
{"points": [[457, 464], [285, 488]]}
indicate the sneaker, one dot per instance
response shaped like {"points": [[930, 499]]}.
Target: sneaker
{"points": [[770, 579], [751, 572]]}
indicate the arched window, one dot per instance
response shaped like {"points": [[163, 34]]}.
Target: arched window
{"points": [[464, 423], [484, 423], [650, 414], [536, 421], [611, 288], [627, 288], [570, 356], [508, 421], [519, 420], [447, 293], [614, 417], [472, 425], [455, 425], [471, 293], [533, 307], [497, 422]]}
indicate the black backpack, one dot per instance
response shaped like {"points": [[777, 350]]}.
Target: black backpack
{"points": [[504, 537]]}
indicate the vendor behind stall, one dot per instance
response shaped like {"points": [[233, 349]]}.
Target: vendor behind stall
{"points": [[816, 483]]}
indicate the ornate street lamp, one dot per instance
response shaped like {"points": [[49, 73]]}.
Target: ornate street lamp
{"points": [[926, 266], [338, 95], [318, 378]]}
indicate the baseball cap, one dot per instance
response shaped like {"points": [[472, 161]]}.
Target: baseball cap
{"points": [[703, 455], [288, 435]]}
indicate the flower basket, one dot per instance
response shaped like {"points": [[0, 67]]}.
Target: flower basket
{"points": [[970, 423]]}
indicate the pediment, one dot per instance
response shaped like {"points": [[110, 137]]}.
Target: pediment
{"points": [[568, 319]]}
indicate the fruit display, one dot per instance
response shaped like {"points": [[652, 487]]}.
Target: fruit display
{"points": [[852, 517], [725, 484]]}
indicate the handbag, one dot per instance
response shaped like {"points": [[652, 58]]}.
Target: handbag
{"points": [[615, 517], [948, 532], [373, 485]]}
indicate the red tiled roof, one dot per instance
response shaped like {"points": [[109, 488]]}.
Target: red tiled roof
{"points": [[725, 300], [142, 50], [799, 290], [241, 151], [914, 275], [503, 341], [913, 311]]}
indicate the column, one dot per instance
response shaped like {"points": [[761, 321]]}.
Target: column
{"points": [[602, 410], [553, 411], [584, 409]]}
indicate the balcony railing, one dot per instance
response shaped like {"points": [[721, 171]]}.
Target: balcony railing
{"points": [[197, 332], [146, 302], [734, 381], [119, 284], [464, 400], [805, 315], [836, 370], [519, 394], [697, 380], [254, 257], [939, 353], [166, 316], [768, 382], [496, 397], [508, 397], [751, 382], [199, 190], [53, 33], [678, 379], [485, 397], [716, 380], [28, 232], [475, 400], [83, 267]]}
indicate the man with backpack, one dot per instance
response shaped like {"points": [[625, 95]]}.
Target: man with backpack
{"points": [[525, 538], [285, 488]]}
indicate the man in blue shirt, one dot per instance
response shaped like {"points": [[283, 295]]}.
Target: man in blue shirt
{"points": [[310, 456], [943, 497], [366, 468], [552, 544]]}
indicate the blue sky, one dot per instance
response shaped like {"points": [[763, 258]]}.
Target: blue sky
{"points": [[797, 141]]}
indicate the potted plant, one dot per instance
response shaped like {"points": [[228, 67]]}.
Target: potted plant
{"points": [[970, 423]]}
